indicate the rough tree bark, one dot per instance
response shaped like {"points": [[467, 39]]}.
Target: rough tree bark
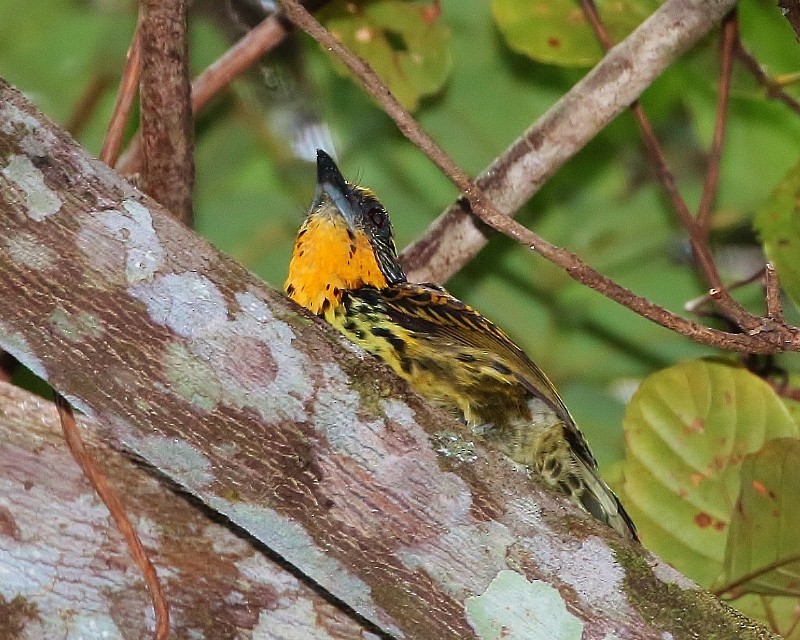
{"points": [[272, 420], [219, 583]]}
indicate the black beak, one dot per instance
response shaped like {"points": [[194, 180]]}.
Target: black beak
{"points": [[328, 174], [331, 183]]}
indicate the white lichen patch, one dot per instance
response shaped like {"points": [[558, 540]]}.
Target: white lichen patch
{"points": [[240, 359], [257, 569], [290, 619], [15, 343], [177, 459], [289, 540], [24, 249], [12, 116], [74, 327], [527, 514], [484, 543], [53, 560], [335, 416], [40, 201], [515, 609], [400, 463], [255, 320], [33, 138], [670, 575], [590, 568], [188, 303], [121, 243], [80, 626]]}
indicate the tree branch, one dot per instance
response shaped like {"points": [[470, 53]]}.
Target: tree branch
{"points": [[166, 111], [226, 585], [254, 44], [511, 180], [272, 420]]}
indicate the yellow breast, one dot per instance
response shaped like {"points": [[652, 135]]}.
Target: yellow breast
{"points": [[329, 259]]}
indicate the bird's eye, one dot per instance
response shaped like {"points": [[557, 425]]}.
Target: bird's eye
{"points": [[377, 216]]}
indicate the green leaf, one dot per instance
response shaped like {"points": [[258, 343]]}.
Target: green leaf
{"points": [[688, 428], [765, 527], [778, 224], [556, 32], [405, 42]]}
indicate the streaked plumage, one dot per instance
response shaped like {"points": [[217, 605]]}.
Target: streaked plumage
{"points": [[344, 267]]}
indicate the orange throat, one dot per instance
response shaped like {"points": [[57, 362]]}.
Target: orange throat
{"points": [[329, 259]]}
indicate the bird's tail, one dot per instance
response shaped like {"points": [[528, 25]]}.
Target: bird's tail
{"points": [[600, 501]]}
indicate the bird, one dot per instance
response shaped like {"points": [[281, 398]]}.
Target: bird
{"points": [[345, 269]]}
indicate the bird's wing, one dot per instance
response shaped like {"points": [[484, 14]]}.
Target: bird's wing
{"points": [[429, 311]]}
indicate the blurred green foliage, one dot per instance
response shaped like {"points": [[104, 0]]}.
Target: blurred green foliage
{"points": [[478, 74]]}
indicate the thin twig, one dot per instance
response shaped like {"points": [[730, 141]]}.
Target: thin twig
{"points": [[730, 34], [773, 293], [695, 227], [695, 305], [128, 86], [735, 584], [254, 44], [772, 88], [116, 509], [762, 340], [166, 113], [769, 613]]}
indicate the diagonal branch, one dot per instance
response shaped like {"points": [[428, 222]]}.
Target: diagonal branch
{"points": [[511, 180]]}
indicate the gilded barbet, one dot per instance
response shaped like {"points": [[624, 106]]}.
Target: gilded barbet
{"points": [[345, 268]]}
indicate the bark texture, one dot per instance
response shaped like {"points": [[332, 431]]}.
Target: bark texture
{"points": [[71, 568], [270, 419], [166, 106]]}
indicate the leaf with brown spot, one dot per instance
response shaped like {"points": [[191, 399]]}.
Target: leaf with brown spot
{"points": [[556, 31], [763, 551], [688, 429]]}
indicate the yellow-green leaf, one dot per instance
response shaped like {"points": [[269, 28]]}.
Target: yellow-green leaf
{"points": [[765, 528], [687, 430], [778, 224], [556, 31], [405, 42]]}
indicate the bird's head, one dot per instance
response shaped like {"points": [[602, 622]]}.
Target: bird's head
{"points": [[345, 243]]}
